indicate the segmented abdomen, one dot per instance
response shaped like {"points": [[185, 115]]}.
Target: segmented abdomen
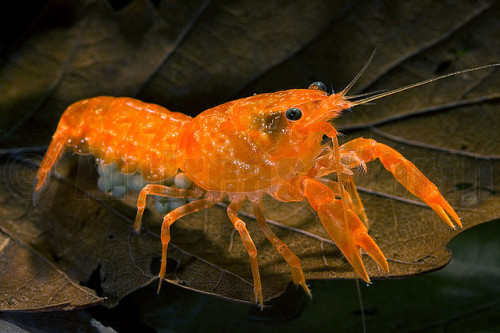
{"points": [[133, 134]]}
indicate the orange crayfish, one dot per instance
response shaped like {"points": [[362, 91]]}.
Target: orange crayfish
{"points": [[268, 144]]}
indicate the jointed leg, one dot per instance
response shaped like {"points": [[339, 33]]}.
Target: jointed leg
{"points": [[164, 191], [191, 207], [406, 173], [232, 211], [292, 260]]}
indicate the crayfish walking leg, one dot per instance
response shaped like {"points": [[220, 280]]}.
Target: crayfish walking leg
{"points": [[239, 225], [191, 207], [290, 257], [164, 191]]}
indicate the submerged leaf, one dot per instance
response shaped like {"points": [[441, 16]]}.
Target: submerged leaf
{"points": [[30, 282]]}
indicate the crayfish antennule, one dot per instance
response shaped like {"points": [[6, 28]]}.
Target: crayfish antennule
{"points": [[356, 78]]}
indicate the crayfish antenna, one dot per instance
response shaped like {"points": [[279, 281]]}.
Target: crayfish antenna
{"points": [[414, 85]]}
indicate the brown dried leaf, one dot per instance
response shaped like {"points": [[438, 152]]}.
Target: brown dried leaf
{"points": [[29, 282]]}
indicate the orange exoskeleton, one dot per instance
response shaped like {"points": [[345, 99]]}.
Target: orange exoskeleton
{"points": [[268, 144]]}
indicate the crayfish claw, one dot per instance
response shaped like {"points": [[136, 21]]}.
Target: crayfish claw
{"points": [[354, 258], [371, 248], [441, 207], [350, 234]]}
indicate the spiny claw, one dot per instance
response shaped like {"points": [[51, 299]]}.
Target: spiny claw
{"points": [[441, 207], [406, 173], [350, 234], [351, 251], [368, 244], [417, 183]]}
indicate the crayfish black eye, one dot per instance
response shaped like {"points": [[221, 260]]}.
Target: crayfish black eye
{"points": [[318, 86], [293, 114]]}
